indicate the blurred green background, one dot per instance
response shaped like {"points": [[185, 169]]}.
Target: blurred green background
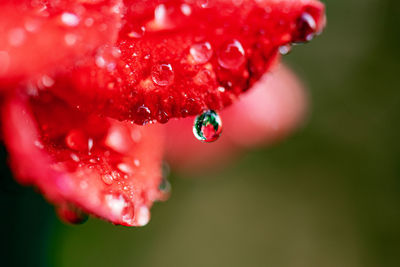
{"points": [[327, 196]]}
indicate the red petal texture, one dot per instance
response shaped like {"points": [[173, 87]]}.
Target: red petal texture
{"points": [[178, 58], [40, 36], [105, 167], [272, 109]]}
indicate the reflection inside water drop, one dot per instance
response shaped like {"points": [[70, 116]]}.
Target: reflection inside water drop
{"points": [[207, 126]]}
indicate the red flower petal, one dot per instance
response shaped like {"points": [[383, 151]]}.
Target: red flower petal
{"points": [[104, 167], [181, 57], [275, 106], [38, 36]]}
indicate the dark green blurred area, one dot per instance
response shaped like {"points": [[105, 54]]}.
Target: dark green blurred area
{"points": [[327, 196]]}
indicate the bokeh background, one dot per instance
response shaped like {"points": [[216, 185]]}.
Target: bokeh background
{"points": [[327, 196]]}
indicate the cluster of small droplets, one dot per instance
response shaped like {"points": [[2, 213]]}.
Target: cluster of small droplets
{"points": [[207, 126]]}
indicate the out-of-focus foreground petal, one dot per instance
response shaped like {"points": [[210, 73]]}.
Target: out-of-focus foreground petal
{"points": [[275, 106], [38, 37], [104, 167]]}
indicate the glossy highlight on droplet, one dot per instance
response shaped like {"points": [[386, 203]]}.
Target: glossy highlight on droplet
{"points": [[207, 126]]}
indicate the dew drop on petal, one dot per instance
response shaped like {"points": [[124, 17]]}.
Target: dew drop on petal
{"points": [[47, 81], [74, 157], [69, 19], [203, 3], [162, 74], [285, 49], [207, 126], [137, 32], [77, 140], [120, 207], [136, 162], [164, 186], [201, 52], [306, 27], [125, 168], [71, 214], [107, 179], [231, 56], [186, 9], [143, 216]]}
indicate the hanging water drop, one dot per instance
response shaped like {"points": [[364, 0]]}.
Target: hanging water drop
{"points": [[306, 27], [71, 214], [285, 49], [120, 207], [207, 126], [164, 186], [143, 216]]}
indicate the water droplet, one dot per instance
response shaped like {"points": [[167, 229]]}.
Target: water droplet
{"points": [[120, 207], [201, 52], [160, 13], [168, 16], [125, 168], [47, 81], [203, 3], [232, 55], [77, 140], [136, 162], [38, 144], [69, 19], [107, 179], [74, 157], [306, 27], [71, 214], [137, 32], [90, 144], [186, 9], [143, 216], [207, 126], [285, 49], [162, 74], [164, 186]]}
